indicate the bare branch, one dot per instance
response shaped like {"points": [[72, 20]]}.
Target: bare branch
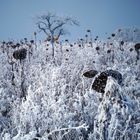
{"points": [[83, 126], [58, 26], [42, 29], [43, 23], [61, 32]]}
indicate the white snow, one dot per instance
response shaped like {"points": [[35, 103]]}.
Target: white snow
{"points": [[59, 100]]}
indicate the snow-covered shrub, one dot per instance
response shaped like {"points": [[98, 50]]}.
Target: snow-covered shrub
{"points": [[58, 101]]}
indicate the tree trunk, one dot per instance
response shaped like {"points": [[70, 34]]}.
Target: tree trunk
{"points": [[53, 55], [52, 49]]}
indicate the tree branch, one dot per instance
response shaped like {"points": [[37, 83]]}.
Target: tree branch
{"points": [[84, 126], [43, 29]]}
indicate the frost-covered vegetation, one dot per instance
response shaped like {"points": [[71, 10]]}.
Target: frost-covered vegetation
{"points": [[43, 100]]}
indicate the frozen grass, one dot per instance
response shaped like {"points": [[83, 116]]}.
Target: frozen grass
{"points": [[59, 103]]}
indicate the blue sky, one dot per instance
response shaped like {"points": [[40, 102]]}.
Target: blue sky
{"points": [[17, 17]]}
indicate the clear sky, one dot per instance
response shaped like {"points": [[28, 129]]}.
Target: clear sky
{"points": [[17, 17]]}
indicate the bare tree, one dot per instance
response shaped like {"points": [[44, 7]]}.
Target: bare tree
{"points": [[53, 26]]}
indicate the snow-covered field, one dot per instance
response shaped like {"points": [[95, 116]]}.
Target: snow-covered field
{"points": [[40, 100]]}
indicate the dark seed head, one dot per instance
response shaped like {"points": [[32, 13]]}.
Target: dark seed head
{"points": [[32, 41], [131, 49], [90, 74], [108, 51], [3, 42], [122, 42], [71, 45], [137, 46], [35, 33], [25, 39], [97, 48], [88, 30], [18, 45], [119, 30], [113, 35]]}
